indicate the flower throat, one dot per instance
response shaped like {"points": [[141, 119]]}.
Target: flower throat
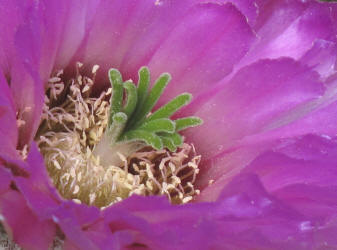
{"points": [[101, 149]]}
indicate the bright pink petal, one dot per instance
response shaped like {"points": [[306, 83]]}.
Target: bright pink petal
{"points": [[310, 160], [252, 100], [8, 128], [289, 28], [244, 217], [73, 220], [11, 17], [202, 52], [5, 179], [124, 34], [38, 190], [321, 57], [27, 229], [312, 201], [249, 8]]}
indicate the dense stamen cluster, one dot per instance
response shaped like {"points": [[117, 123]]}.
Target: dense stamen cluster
{"points": [[74, 122]]}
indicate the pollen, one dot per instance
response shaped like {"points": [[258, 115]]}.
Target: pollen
{"points": [[73, 122]]}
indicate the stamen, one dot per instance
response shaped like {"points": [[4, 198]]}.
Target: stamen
{"points": [[74, 124]]}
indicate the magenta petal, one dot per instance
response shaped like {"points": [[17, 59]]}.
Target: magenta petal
{"points": [[310, 160], [27, 229], [5, 179], [38, 190], [11, 16], [312, 201], [73, 220], [244, 217], [289, 28], [249, 8], [202, 52], [252, 102], [25, 82], [71, 21], [8, 128], [125, 34], [321, 57]]}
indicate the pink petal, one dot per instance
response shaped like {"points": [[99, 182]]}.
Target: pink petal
{"points": [[321, 57], [288, 28], [309, 160], [124, 34], [73, 220], [256, 97], [25, 82], [11, 16], [38, 190], [249, 8], [28, 230], [312, 201], [8, 128], [5, 179], [202, 52], [244, 217]]}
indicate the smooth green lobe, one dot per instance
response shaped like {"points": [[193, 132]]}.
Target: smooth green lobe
{"points": [[171, 107], [145, 136], [152, 98], [143, 85], [187, 122], [175, 137], [168, 143], [117, 92], [159, 125], [132, 98]]}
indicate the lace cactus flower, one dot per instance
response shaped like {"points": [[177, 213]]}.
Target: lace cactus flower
{"points": [[96, 155]]}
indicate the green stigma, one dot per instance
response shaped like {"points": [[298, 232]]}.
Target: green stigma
{"points": [[130, 118]]}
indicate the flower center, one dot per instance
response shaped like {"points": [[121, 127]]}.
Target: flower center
{"points": [[96, 155]]}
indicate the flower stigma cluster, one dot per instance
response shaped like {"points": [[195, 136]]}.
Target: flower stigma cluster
{"points": [[101, 149]]}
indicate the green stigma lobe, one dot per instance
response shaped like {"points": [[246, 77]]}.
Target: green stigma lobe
{"points": [[130, 119]]}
